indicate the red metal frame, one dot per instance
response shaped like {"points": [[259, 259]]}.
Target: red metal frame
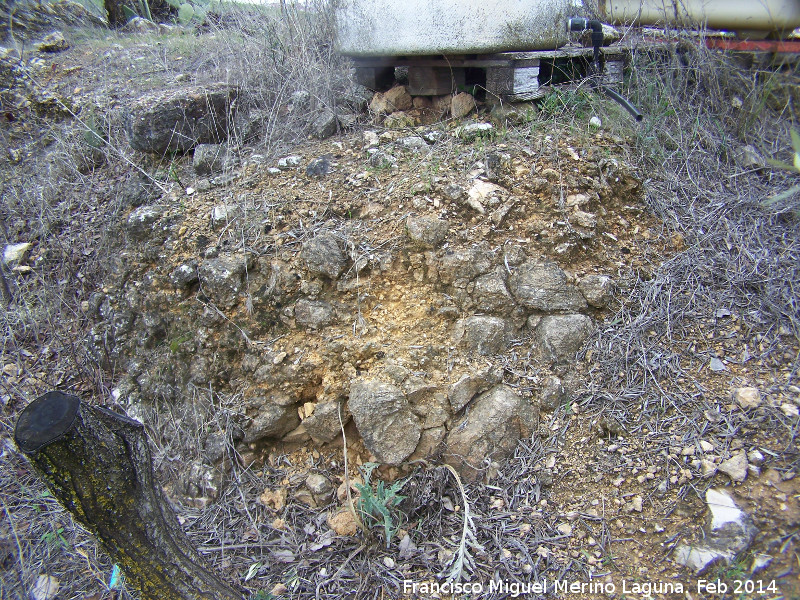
{"points": [[782, 46]]}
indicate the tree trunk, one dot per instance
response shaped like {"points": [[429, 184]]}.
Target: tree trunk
{"points": [[5, 293], [97, 464], [116, 15]]}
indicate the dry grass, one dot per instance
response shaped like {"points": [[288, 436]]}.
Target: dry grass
{"points": [[737, 278]]}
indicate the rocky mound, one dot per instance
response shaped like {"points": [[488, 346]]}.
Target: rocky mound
{"points": [[439, 297]]}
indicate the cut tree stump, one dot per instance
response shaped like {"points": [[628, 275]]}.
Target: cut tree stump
{"points": [[97, 464]]}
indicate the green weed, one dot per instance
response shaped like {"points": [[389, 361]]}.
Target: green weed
{"points": [[378, 505], [794, 168], [55, 538]]}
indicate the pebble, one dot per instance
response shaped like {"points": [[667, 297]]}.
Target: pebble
{"points": [[735, 467], [747, 397], [707, 468], [755, 457], [760, 562], [790, 410], [288, 162]]}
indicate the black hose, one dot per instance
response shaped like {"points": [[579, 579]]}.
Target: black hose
{"points": [[624, 102], [582, 24]]}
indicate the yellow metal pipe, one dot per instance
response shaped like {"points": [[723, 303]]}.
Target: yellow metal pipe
{"points": [[729, 15]]}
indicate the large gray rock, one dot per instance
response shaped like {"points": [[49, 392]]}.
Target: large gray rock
{"points": [[272, 421], [489, 431], [482, 334], [323, 424], [314, 314], [323, 256], [211, 158], [325, 124], [427, 231], [222, 278], [383, 417], [597, 290], [491, 295], [178, 120], [137, 190], [463, 264], [469, 386], [140, 221], [544, 286], [559, 337]]}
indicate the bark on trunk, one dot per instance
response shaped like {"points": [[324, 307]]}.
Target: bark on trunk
{"points": [[97, 464], [5, 293]]}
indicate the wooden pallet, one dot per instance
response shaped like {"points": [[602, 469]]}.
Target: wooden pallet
{"points": [[531, 74], [510, 76]]}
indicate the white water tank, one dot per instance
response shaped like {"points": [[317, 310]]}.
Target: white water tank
{"points": [[435, 27]]}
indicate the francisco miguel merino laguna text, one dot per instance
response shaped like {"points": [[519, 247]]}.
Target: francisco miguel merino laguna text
{"points": [[543, 586]]}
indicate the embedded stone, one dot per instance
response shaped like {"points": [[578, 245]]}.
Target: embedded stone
{"points": [[383, 417], [544, 287]]}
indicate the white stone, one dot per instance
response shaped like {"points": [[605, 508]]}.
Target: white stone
{"points": [[723, 509], [480, 192], [16, 254], [221, 214], [45, 588], [698, 558], [474, 130], [760, 562], [706, 446], [289, 162], [371, 139], [755, 457], [790, 410], [595, 122]]}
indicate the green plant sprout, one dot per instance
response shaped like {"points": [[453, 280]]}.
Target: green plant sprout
{"points": [[795, 168], [55, 538], [378, 506]]}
